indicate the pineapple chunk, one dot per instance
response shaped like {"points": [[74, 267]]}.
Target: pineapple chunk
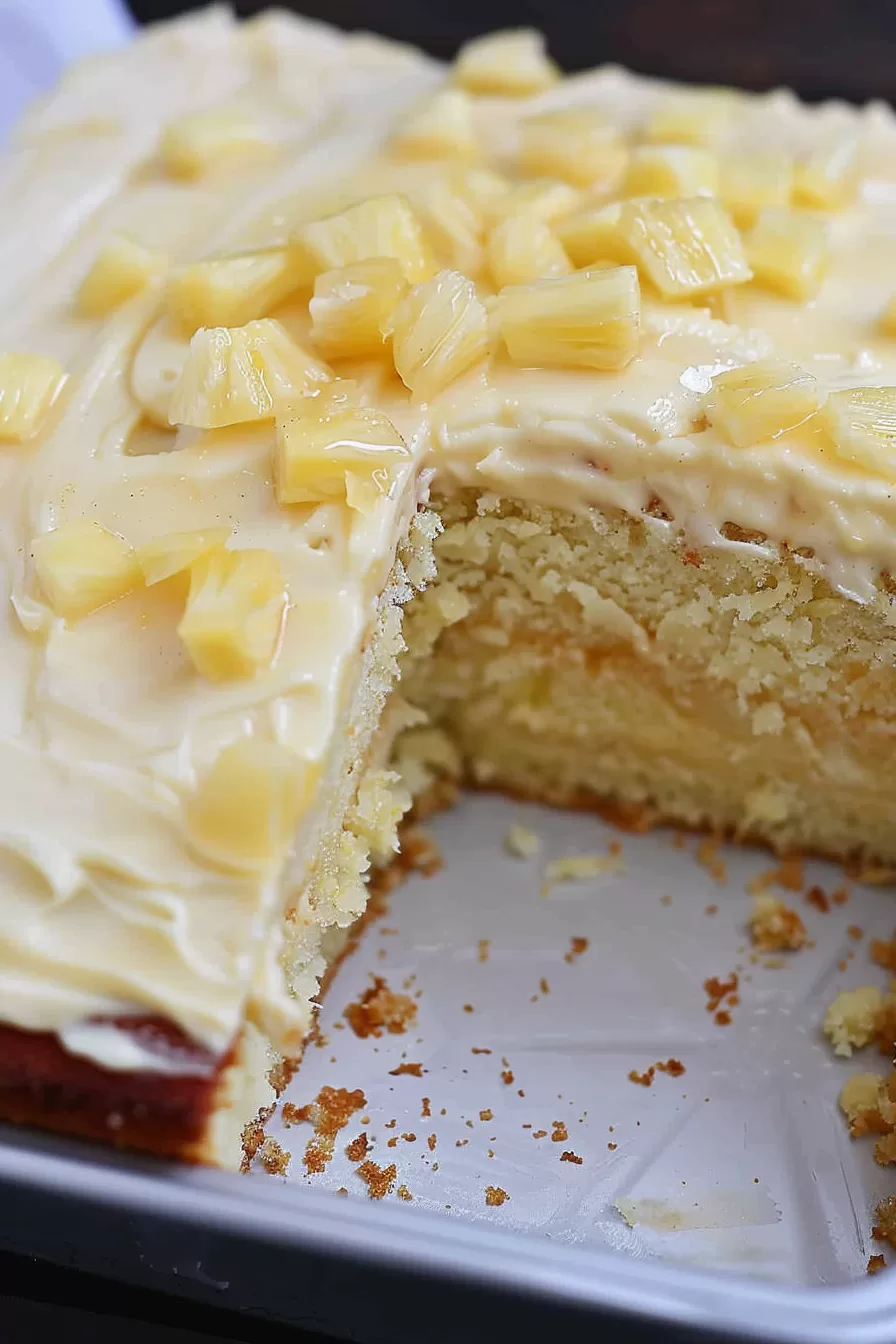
{"points": [[382, 226], [575, 144], [827, 179], [751, 182], [230, 291], [442, 128], [28, 386], [481, 188], [522, 249], [438, 330], [453, 225], [698, 117], [246, 809], [671, 170], [862, 423], [121, 269], [888, 318], [335, 455], [542, 196], [587, 320], [684, 247], [512, 63], [81, 566], [176, 551], [201, 142], [592, 235], [236, 374], [788, 252], [351, 303], [760, 401], [234, 613]]}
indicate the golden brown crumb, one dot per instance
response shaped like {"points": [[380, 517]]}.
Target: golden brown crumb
{"points": [[486, 1115], [358, 1149], [875, 1264], [253, 1136], [379, 1009], [840, 896], [495, 1196], [707, 854], [774, 926], [539, 1133], [426, 1109], [577, 947], [507, 1076], [711, 910], [883, 952], [484, 945], [855, 932], [885, 1225], [330, 1112], [544, 986], [717, 989], [568, 1156], [273, 1158], [409, 1138], [403, 1192], [559, 1132], [468, 1008], [415, 1070], [722, 1018], [612, 1147], [379, 1180], [461, 1143], [431, 1142], [480, 1050], [393, 1142], [816, 897], [673, 1067], [692, 556]]}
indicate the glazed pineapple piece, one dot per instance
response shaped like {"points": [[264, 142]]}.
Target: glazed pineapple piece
{"points": [[510, 64], [684, 247], [28, 387], [350, 305], [452, 223], [234, 613], [233, 375], [694, 117], [348, 453], [576, 145], [441, 128], [788, 252], [862, 423], [209, 141], [230, 291], [671, 170], [176, 552], [381, 226], [761, 400], [545, 197], [827, 179], [523, 248], [439, 330], [749, 183], [82, 566], [587, 320], [122, 268], [592, 234]]}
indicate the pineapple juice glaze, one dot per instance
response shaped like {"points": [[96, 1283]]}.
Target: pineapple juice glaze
{"points": [[108, 906]]}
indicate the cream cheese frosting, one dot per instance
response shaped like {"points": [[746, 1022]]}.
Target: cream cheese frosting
{"points": [[106, 910]]}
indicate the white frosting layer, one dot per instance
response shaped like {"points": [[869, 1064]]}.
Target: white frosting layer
{"points": [[104, 725]]}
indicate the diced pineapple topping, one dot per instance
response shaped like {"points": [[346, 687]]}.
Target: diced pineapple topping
{"points": [[542, 196], [350, 305], [453, 225], [236, 374], [827, 179], [175, 552], [522, 249], [234, 613], [788, 252], [201, 142], [862, 423], [442, 128], [761, 400], [438, 330], [751, 182], [28, 385], [348, 453], [511, 64], [230, 291], [684, 247], [697, 117], [671, 170], [587, 320], [592, 235], [81, 566], [574, 144], [480, 187], [121, 269], [246, 809], [382, 226]]}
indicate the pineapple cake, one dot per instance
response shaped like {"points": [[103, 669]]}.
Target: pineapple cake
{"points": [[367, 423]]}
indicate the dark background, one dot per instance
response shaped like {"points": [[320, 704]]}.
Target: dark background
{"points": [[822, 48]]}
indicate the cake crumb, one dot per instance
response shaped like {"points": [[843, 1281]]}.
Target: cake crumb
{"points": [[885, 1225], [485, 1116], [461, 1143], [717, 989], [357, 1149], [380, 1008], [415, 1070], [816, 897], [468, 1008], [483, 948], [404, 1193], [480, 1050], [711, 910], [875, 1264], [431, 1141], [855, 932], [379, 1180], [568, 1156], [507, 1076], [273, 1158], [577, 948], [673, 1067], [539, 1133], [840, 896], [851, 1021], [330, 1112], [419, 851], [521, 842], [708, 856], [883, 953], [559, 1132], [579, 868], [426, 1109], [544, 986], [495, 1196], [774, 926], [253, 1135]]}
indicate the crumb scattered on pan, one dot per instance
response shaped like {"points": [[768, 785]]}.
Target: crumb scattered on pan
{"points": [[483, 948], [431, 1141], [817, 898], [774, 926], [495, 1196], [380, 1009], [404, 1193], [673, 1067], [425, 1108], [855, 932], [875, 1264], [539, 1133], [253, 1135], [419, 851], [851, 1021], [711, 910], [544, 986], [707, 854], [579, 868], [612, 1147], [840, 896], [358, 1149], [577, 948], [468, 1008], [461, 1143], [507, 1076], [485, 1116], [480, 1050], [379, 1180], [415, 1071], [273, 1158], [521, 842], [559, 1132], [718, 989], [884, 1228], [788, 875], [330, 1112], [568, 1156], [883, 952]]}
